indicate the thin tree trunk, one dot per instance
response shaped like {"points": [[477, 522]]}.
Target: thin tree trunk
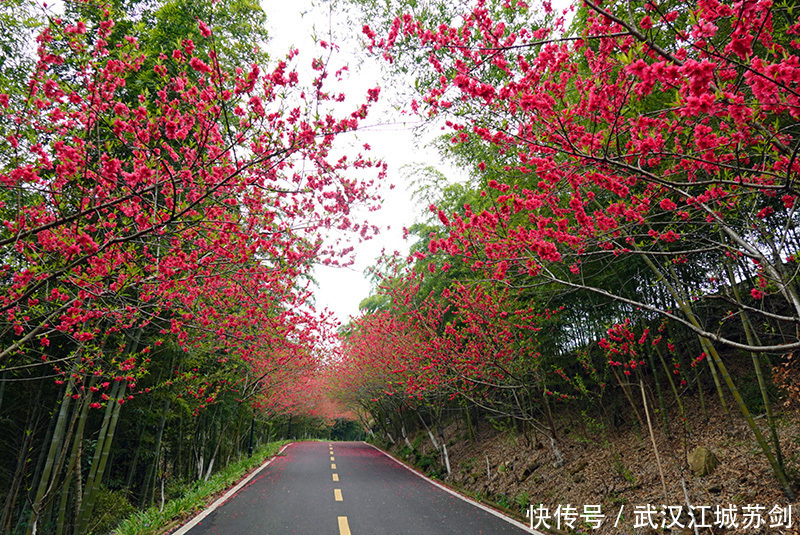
{"points": [[675, 393], [2, 387], [707, 349], [430, 434], [752, 339], [470, 430], [700, 393], [628, 396], [100, 458], [147, 487], [19, 474], [52, 465], [662, 406], [61, 524], [74, 466], [220, 437], [548, 414], [78, 485], [653, 440], [405, 438], [446, 458]]}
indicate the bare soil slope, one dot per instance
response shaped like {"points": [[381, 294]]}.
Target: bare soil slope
{"points": [[618, 470]]}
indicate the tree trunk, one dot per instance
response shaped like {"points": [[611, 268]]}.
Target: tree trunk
{"points": [[752, 339], [446, 458], [675, 392], [148, 488], [52, 466], [6, 517], [100, 458], [661, 405], [2, 387], [74, 466]]}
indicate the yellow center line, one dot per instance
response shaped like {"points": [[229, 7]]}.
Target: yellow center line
{"points": [[337, 494], [333, 466], [336, 477], [344, 527], [332, 458]]}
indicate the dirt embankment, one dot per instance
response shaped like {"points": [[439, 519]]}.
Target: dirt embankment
{"points": [[617, 473]]}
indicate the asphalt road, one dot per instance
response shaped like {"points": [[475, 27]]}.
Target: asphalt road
{"points": [[345, 488]]}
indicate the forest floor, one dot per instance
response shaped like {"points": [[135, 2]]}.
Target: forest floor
{"points": [[617, 470]]}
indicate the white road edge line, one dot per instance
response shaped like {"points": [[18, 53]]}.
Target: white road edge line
{"points": [[210, 509], [461, 496]]}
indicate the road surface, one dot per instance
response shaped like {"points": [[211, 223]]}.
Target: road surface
{"points": [[345, 488]]}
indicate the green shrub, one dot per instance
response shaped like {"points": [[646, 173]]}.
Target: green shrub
{"points": [[523, 501], [111, 508]]}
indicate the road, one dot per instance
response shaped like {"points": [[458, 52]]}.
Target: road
{"points": [[345, 488]]}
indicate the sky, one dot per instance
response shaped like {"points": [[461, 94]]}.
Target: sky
{"points": [[388, 133]]}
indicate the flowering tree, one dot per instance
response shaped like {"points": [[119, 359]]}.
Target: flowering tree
{"points": [[467, 344], [658, 140], [191, 211]]}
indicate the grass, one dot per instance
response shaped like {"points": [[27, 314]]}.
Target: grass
{"points": [[153, 521]]}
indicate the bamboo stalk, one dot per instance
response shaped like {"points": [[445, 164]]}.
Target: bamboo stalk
{"points": [[707, 348], [629, 397], [661, 404], [653, 439], [54, 455], [777, 469], [100, 456], [752, 339], [674, 391], [705, 344], [700, 393], [74, 468]]}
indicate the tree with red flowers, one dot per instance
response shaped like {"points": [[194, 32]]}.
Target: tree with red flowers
{"points": [[189, 212], [656, 140]]}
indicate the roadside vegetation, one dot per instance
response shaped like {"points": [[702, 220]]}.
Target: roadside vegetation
{"points": [[615, 278], [192, 500], [165, 187]]}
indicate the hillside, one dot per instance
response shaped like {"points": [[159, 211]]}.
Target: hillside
{"points": [[612, 468]]}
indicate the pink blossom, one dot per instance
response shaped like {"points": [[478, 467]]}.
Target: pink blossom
{"points": [[667, 204], [199, 65], [205, 30]]}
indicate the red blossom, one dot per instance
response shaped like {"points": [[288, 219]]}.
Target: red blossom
{"points": [[199, 65], [204, 30]]}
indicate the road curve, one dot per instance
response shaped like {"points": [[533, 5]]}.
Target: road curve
{"points": [[345, 488]]}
